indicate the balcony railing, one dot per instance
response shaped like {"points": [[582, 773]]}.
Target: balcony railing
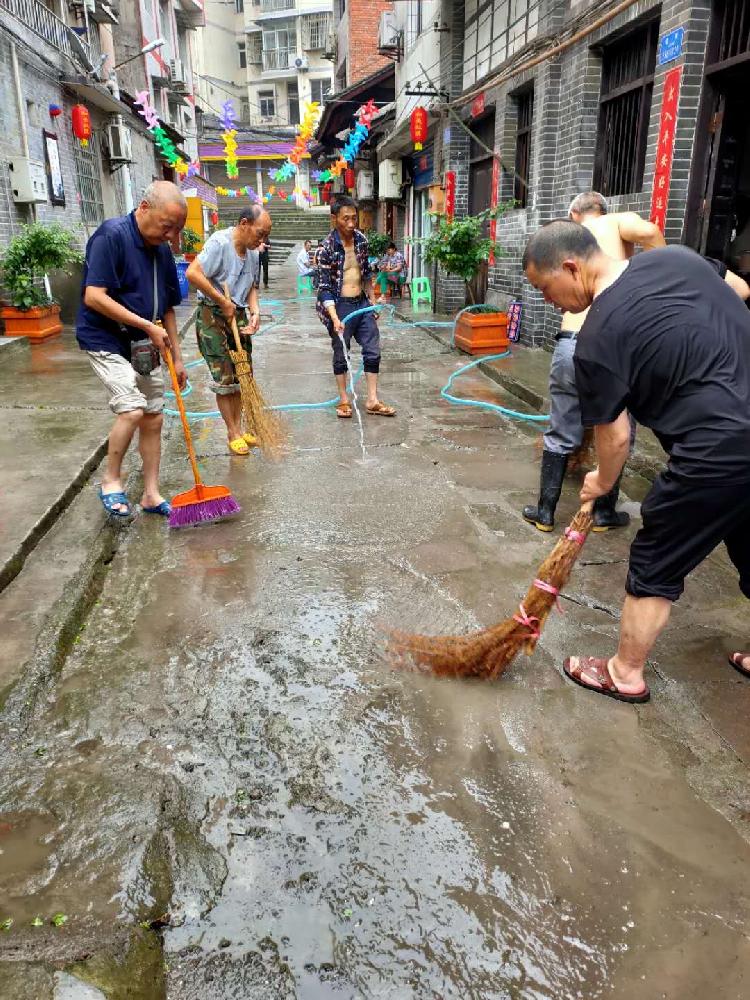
{"points": [[269, 6], [278, 58], [41, 21]]}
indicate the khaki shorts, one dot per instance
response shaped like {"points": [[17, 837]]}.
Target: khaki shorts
{"points": [[128, 390]]}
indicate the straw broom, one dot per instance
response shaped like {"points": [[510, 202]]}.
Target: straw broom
{"points": [[259, 418], [487, 653]]}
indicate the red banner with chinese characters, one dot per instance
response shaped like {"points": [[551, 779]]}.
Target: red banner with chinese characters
{"points": [[477, 105], [450, 194], [665, 147], [493, 204]]}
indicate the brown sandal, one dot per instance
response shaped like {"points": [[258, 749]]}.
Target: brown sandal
{"points": [[736, 660], [344, 410], [381, 410], [598, 669]]}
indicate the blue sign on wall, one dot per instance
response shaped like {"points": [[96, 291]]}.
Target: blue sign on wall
{"points": [[670, 46]]}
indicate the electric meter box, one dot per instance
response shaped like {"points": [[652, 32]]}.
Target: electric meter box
{"points": [[28, 180]]}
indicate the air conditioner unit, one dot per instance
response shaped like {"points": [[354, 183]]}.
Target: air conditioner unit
{"points": [[389, 37], [389, 178], [119, 144], [301, 63], [178, 80], [365, 185]]}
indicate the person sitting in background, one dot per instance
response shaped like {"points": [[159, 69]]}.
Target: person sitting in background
{"points": [[391, 269], [304, 265]]}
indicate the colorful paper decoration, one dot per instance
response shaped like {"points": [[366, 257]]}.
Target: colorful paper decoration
{"points": [[229, 135], [357, 137], [305, 131], [419, 127], [81, 123], [161, 140]]}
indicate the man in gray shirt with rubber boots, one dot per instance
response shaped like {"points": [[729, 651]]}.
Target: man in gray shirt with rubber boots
{"points": [[617, 235]]}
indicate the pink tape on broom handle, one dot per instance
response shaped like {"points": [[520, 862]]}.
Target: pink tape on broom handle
{"points": [[528, 621], [549, 589], [575, 536]]}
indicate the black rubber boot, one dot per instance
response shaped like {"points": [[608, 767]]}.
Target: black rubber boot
{"points": [[553, 470], [605, 514]]}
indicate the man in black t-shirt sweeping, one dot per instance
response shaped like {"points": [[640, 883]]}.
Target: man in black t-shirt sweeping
{"points": [[669, 341]]}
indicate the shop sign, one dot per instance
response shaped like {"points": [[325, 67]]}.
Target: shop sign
{"points": [[665, 147], [670, 46], [477, 105]]}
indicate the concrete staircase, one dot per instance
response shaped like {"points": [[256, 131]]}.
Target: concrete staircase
{"points": [[290, 223]]}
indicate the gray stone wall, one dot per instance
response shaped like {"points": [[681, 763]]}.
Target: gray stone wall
{"points": [[566, 107]]}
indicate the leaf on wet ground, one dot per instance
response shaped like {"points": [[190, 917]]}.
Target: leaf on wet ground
{"points": [[37, 922], [5, 925], [59, 919]]}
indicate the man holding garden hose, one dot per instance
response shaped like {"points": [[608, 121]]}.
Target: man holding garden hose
{"points": [[345, 287]]}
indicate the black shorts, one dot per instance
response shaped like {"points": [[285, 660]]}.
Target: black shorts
{"points": [[682, 524]]}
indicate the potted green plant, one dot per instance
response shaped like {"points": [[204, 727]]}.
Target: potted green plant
{"points": [[191, 243], [377, 242], [460, 247], [38, 249]]}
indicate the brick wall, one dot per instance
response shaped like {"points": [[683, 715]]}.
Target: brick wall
{"points": [[566, 108], [362, 56]]}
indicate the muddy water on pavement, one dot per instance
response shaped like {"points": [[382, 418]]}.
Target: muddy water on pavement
{"points": [[342, 831]]}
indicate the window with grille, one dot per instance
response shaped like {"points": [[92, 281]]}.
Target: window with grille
{"points": [[624, 109], [255, 48], [239, 6], [319, 90], [267, 103], [292, 96], [279, 47], [89, 181], [244, 109], [242, 54], [315, 28], [525, 115], [730, 33]]}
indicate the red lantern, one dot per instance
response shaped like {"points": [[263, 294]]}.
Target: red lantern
{"points": [[325, 194], [349, 178], [418, 127], [214, 218], [81, 123]]}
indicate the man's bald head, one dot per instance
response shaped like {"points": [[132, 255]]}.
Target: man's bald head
{"points": [[588, 203], [557, 260], [161, 214], [254, 226]]}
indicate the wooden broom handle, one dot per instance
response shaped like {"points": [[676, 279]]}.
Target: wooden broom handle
{"points": [[183, 417], [233, 324]]}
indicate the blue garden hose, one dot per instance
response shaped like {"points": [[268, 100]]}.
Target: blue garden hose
{"points": [[444, 392]]}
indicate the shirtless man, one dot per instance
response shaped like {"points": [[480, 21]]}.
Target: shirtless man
{"points": [[344, 286], [617, 235]]}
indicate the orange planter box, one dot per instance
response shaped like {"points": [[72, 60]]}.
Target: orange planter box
{"points": [[482, 333], [37, 324]]}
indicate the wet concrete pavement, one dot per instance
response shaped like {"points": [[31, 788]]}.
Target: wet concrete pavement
{"points": [[229, 795]]}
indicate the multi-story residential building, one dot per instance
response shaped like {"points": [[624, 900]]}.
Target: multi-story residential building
{"points": [[269, 57], [356, 40]]}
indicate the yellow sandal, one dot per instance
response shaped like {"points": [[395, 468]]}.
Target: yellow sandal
{"points": [[251, 440], [239, 447]]}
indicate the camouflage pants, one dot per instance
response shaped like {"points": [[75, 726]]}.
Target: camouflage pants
{"points": [[214, 342]]}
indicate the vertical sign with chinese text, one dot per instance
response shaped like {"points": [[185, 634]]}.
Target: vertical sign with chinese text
{"points": [[665, 147], [493, 204], [450, 194]]}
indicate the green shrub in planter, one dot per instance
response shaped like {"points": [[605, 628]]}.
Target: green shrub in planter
{"points": [[35, 251], [377, 242], [190, 240]]}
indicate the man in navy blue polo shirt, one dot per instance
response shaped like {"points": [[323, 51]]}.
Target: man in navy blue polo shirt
{"points": [[125, 322]]}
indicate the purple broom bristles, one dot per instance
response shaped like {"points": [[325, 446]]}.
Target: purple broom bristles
{"points": [[204, 510]]}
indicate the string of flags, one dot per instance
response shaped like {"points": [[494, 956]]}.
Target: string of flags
{"points": [[162, 141]]}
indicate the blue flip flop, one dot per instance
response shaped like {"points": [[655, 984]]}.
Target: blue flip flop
{"points": [[110, 499], [164, 508]]}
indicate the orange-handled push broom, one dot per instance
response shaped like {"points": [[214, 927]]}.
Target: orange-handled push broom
{"points": [[202, 503]]}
